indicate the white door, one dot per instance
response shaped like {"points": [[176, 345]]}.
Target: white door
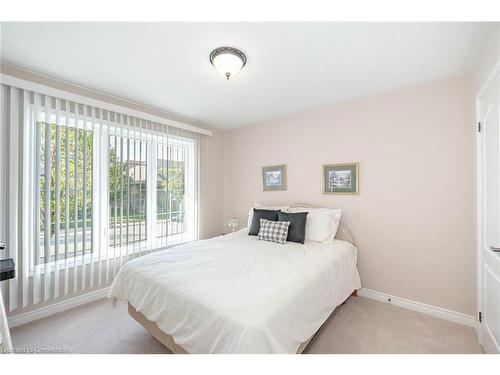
{"points": [[488, 148]]}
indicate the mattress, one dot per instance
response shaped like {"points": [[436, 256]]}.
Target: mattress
{"points": [[236, 294]]}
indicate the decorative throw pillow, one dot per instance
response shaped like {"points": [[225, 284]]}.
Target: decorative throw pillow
{"points": [[275, 231], [322, 223], [263, 207], [271, 215], [297, 228]]}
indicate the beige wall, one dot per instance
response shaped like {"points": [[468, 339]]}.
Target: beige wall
{"points": [[211, 189], [413, 221], [210, 147]]}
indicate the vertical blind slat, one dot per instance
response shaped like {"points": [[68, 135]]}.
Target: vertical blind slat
{"points": [[102, 225], [166, 157], [150, 187], [187, 172], [67, 198], [37, 285], [128, 197], [121, 198], [84, 203], [47, 201], [134, 172], [197, 187], [108, 189], [141, 196], [115, 220], [57, 198], [154, 182], [75, 218], [13, 189], [21, 239], [94, 218], [29, 224], [140, 192], [25, 225]]}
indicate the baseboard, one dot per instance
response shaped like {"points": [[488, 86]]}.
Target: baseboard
{"points": [[438, 312], [43, 312]]}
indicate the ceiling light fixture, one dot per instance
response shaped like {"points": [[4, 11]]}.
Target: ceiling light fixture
{"points": [[228, 60]]}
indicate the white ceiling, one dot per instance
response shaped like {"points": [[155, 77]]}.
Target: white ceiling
{"points": [[291, 66]]}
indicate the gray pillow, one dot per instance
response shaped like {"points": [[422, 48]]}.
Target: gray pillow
{"points": [[297, 228], [274, 231], [271, 215]]}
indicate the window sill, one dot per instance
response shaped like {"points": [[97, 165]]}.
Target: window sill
{"points": [[130, 252]]}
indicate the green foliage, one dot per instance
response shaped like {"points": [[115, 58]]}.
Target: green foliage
{"points": [[173, 178], [171, 182], [72, 142], [127, 192], [117, 176]]}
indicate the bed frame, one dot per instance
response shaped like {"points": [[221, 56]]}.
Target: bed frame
{"points": [[167, 340]]}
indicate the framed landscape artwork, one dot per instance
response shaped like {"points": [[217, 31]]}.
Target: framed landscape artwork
{"points": [[274, 178], [341, 178]]}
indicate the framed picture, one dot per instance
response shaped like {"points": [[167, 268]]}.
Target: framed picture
{"points": [[341, 178], [274, 178]]}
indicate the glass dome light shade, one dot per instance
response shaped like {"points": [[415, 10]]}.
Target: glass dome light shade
{"points": [[227, 60]]}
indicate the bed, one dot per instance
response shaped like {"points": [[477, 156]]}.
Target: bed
{"points": [[236, 294]]}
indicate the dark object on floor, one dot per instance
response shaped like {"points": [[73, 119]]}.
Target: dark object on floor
{"points": [[7, 269]]}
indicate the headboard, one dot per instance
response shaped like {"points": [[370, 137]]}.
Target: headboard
{"points": [[343, 232]]}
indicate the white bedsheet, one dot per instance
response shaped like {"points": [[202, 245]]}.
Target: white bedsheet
{"points": [[236, 294]]}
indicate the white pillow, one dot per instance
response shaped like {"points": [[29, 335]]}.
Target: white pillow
{"points": [[321, 223], [262, 207]]}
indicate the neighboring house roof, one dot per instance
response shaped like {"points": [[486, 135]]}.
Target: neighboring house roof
{"points": [[138, 172]]}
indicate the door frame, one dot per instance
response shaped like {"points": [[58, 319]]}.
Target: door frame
{"points": [[479, 194]]}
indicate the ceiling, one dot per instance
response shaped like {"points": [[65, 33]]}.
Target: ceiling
{"points": [[291, 66]]}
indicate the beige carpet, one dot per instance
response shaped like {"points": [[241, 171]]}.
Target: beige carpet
{"points": [[359, 326]]}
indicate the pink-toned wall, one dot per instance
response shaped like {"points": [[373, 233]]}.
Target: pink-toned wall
{"points": [[414, 219], [211, 184]]}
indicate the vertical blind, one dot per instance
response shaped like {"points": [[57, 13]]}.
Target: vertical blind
{"points": [[86, 190]]}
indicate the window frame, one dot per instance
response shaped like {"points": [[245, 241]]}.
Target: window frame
{"points": [[102, 130]]}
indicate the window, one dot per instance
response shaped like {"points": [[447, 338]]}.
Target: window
{"points": [[170, 190], [65, 165], [105, 191], [128, 181], [174, 190]]}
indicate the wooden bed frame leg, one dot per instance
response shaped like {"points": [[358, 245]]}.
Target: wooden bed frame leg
{"points": [[353, 294]]}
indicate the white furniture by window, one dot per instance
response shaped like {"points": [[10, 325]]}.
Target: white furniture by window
{"points": [[87, 189], [5, 341]]}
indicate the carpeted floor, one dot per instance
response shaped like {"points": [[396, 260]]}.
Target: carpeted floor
{"points": [[359, 326]]}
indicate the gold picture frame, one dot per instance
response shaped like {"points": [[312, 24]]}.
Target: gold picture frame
{"points": [[340, 178], [274, 178]]}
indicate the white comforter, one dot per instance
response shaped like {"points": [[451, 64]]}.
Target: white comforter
{"points": [[236, 294]]}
